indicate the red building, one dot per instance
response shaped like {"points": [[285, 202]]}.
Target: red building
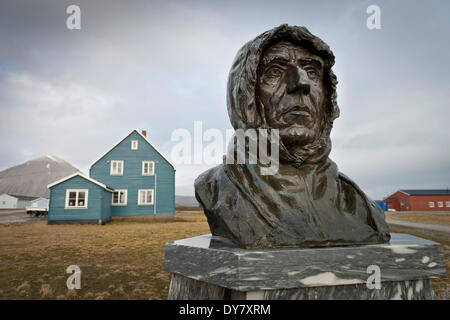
{"points": [[419, 200]]}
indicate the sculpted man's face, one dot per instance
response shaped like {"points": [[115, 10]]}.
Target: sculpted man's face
{"points": [[291, 90]]}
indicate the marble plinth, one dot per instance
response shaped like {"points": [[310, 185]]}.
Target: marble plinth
{"points": [[207, 267]]}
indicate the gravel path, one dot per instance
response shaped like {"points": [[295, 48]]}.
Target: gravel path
{"points": [[418, 225], [17, 216]]}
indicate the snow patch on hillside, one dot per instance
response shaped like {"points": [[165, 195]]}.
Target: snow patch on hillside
{"points": [[51, 158]]}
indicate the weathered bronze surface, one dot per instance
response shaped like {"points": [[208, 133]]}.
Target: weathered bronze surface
{"points": [[283, 80]]}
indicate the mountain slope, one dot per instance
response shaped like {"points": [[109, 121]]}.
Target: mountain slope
{"points": [[32, 177], [186, 201]]}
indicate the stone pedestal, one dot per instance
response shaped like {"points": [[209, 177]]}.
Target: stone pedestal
{"points": [[207, 267]]}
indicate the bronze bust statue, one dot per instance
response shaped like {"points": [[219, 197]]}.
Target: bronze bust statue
{"points": [[283, 80]]}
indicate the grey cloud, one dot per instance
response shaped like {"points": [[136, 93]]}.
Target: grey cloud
{"points": [[159, 66]]}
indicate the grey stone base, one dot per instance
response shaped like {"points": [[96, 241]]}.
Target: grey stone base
{"points": [[85, 221], [183, 288], [207, 267]]}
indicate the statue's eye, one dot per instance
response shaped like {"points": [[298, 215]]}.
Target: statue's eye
{"points": [[312, 73], [273, 72], [272, 75]]}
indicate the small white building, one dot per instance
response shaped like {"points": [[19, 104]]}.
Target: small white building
{"points": [[39, 203], [11, 201]]}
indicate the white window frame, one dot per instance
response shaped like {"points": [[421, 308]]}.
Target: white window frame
{"points": [[447, 204], [111, 168], [86, 192], [134, 144], [431, 204], [125, 191], [152, 173], [140, 202], [440, 204]]}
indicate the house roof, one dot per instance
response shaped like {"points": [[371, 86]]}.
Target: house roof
{"points": [[143, 137], [40, 198], [426, 192], [83, 176], [20, 197]]}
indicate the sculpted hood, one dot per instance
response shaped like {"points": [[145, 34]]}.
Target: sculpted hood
{"points": [[243, 109]]}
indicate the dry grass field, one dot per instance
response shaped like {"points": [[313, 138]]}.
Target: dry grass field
{"points": [[433, 218], [121, 260]]}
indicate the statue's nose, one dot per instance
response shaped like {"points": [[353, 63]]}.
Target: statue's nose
{"points": [[298, 81]]}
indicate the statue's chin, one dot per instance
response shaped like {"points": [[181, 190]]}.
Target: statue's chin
{"points": [[296, 136]]}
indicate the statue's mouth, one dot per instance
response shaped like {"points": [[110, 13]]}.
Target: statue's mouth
{"points": [[297, 111]]}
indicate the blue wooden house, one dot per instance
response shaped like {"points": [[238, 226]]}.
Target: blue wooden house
{"points": [[132, 178], [79, 199]]}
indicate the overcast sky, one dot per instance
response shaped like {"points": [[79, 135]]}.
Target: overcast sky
{"points": [[162, 65]]}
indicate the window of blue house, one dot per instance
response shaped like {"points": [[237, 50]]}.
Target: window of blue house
{"points": [[134, 144], [145, 197], [148, 168], [76, 198], [116, 167], [119, 198]]}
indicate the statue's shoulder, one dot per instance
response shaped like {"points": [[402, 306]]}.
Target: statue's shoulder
{"points": [[347, 180], [210, 176], [206, 185], [356, 190], [376, 218]]}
